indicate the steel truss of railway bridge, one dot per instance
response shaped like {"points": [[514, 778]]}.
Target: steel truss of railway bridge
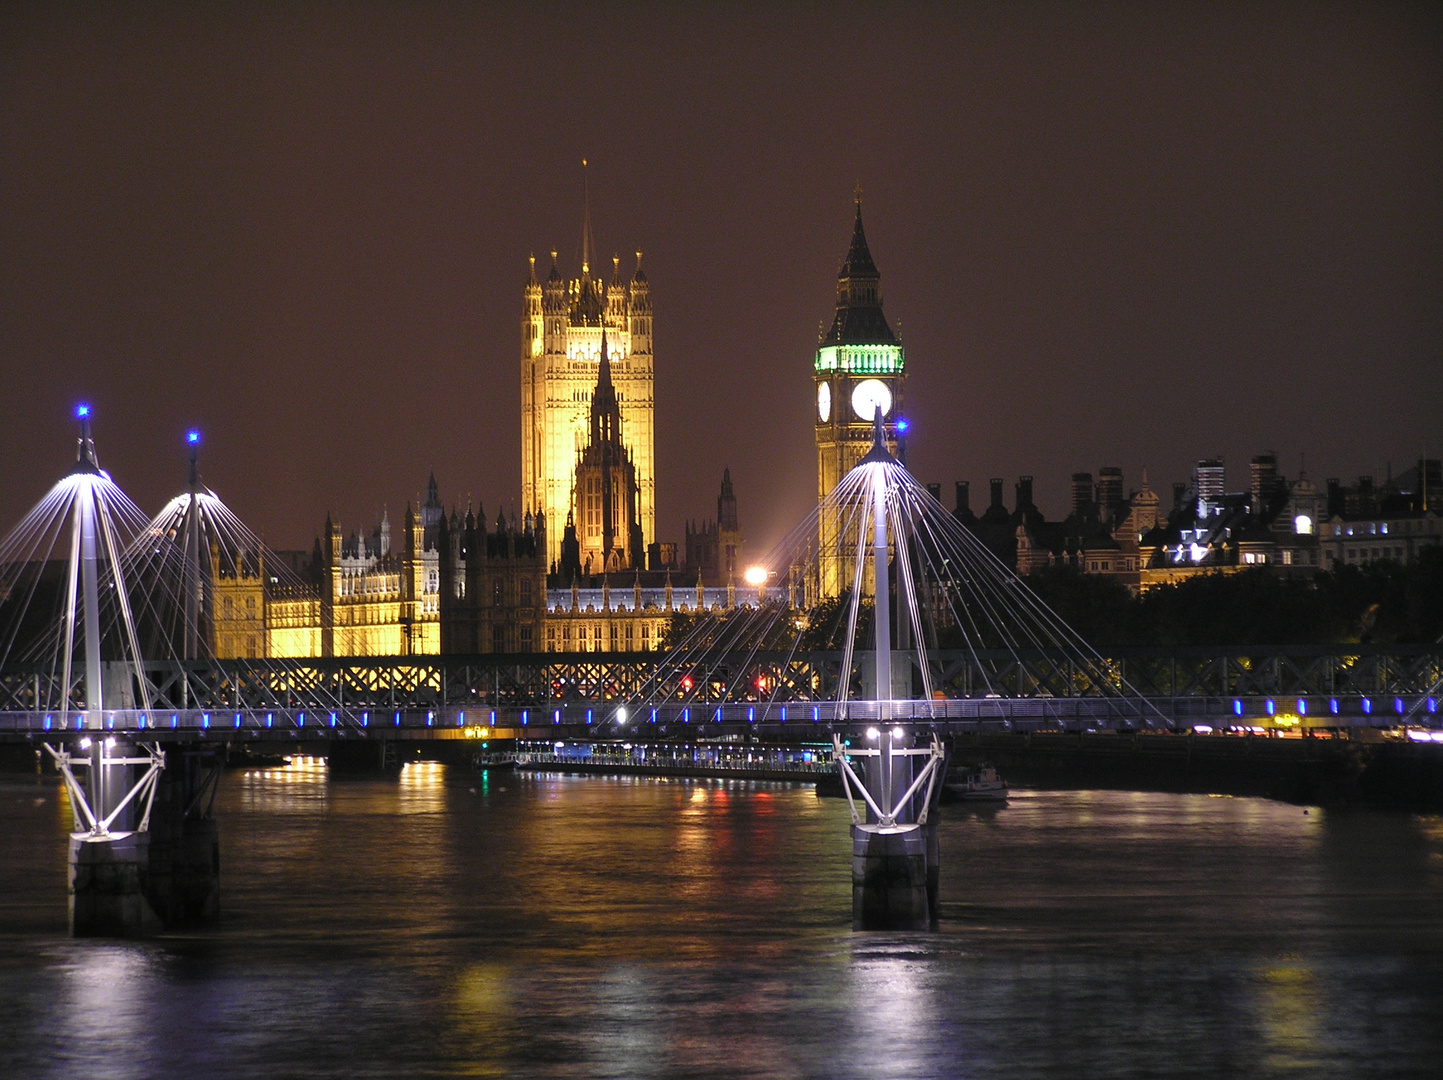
{"points": [[1180, 688]]}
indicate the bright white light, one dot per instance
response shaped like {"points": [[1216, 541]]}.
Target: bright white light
{"points": [[755, 576], [867, 395], [621, 715], [110, 743], [1203, 729], [1302, 525], [873, 733], [1197, 552], [560, 745], [85, 744], [824, 402], [898, 733]]}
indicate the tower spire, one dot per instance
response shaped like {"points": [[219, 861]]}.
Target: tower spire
{"points": [[879, 450], [192, 439], [85, 460], [586, 242], [859, 319]]}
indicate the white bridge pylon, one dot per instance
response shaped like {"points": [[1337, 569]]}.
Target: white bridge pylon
{"points": [[94, 651], [898, 808]]}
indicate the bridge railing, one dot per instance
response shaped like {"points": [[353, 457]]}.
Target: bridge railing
{"points": [[615, 719], [764, 679]]}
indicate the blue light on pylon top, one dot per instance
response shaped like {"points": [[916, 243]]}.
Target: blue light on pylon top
{"points": [[192, 437], [82, 411], [901, 425]]}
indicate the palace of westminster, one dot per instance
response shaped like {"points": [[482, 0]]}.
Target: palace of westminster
{"points": [[582, 571]]}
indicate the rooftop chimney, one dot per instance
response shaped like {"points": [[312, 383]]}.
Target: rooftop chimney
{"points": [[1024, 492]]}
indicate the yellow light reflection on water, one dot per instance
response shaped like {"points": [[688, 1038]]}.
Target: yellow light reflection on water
{"points": [[1289, 1003], [422, 787]]}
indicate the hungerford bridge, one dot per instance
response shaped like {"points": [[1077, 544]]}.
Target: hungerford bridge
{"points": [[778, 695], [134, 736]]}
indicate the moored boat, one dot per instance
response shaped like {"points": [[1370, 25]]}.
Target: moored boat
{"points": [[982, 784]]}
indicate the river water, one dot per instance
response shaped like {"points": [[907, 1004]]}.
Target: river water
{"points": [[448, 924]]}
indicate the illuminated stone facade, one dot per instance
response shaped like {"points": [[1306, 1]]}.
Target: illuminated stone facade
{"points": [[607, 502], [561, 334], [363, 600], [631, 617], [377, 602]]}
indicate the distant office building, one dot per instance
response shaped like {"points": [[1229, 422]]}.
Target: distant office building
{"points": [[1369, 523], [1141, 543]]}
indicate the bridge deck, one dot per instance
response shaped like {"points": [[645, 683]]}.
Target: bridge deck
{"points": [[617, 718]]}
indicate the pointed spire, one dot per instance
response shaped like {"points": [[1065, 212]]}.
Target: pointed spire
{"points": [[586, 241], [85, 460], [640, 275], [603, 375], [859, 319], [532, 260], [192, 439], [859, 257], [879, 450]]}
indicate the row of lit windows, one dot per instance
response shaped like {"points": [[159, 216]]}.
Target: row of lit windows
{"points": [[621, 637], [369, 584], [1382, 528], [1104, 566]]}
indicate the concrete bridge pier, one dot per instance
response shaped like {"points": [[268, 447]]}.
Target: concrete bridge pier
{"points": [[109, 859], [889, 878], [183, 882], [108, 876], [895, 856]]}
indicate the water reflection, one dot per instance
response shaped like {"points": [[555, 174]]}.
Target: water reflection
{"points": [[440, 923], [102, 1006], [421, 788], [1289, 1010], [299, 787], [891, 1007]]}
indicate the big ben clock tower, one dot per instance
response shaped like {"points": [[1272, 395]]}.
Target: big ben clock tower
{"points": [[860, 366]]}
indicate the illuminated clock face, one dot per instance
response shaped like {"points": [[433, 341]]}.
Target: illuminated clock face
{"points": [[824, 402], [867, 395]]}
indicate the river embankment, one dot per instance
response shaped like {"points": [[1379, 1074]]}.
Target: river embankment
{"points": [[1321, 771]]}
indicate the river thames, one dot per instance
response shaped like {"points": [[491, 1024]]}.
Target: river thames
{"points": [[448, 924]]}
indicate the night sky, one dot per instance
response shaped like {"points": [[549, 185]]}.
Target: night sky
{"points": [[1111, 234]]}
